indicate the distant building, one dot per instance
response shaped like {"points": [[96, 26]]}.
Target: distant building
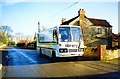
{"points": [[20, 37], [95, 31]]}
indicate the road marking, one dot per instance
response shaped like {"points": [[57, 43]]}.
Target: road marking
{"points": [[30, 59]]}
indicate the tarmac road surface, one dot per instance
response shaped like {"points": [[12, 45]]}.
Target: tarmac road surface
{"points": [[26, 64]]}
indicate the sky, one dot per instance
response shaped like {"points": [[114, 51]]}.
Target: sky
{"points": [[23, 16]]}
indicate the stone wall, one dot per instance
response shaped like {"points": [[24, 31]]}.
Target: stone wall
{"points": [[107, 54], [101, 53], [111, 54]]}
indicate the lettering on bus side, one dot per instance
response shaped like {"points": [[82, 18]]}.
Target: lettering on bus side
{"points": [[41, 38]]}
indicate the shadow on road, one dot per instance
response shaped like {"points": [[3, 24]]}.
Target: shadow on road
{"points": [[112, 75], [8, 59], [76, 59], [67, 59]]}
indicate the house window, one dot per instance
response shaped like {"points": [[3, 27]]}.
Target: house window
{"points": [[99, 30]]}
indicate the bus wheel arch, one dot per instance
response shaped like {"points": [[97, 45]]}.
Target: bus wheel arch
{"points": [[53, 54], [40, 52], [53, 57]]}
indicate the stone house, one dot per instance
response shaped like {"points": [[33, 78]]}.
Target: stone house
{"points": [[95, 31]]}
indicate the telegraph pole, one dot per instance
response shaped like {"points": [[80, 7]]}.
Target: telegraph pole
{"points": [[38, 26]]}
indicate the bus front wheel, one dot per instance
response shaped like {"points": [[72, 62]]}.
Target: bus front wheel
{"points": [[53, 58], [40, 52]]}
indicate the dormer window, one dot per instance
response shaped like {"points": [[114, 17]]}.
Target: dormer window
{"points": [[99, 30]]}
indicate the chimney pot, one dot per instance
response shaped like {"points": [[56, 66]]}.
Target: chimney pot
{"points": [[81, 15], [81, 12]]}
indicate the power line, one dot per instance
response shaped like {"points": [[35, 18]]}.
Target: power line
{"points": [[65, 9], [61, 12]]}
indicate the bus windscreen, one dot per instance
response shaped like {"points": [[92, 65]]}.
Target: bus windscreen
{"points": [[69, 34]]}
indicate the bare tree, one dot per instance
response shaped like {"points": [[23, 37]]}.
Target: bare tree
{"points": [[6, 29]]}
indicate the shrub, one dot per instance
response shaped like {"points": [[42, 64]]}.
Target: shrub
{"points": [[20, 44], [11, 43]]}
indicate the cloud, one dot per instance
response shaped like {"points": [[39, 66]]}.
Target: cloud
{"points": [[11, 2], [17, 1]]}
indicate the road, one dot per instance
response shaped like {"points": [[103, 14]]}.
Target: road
{"points": [[29, 65], [18, 56]]}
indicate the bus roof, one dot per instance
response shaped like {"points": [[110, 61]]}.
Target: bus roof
{"points": [[69, 26], [62, 26]]}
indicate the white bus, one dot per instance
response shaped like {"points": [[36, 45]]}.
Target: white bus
{"points": [[61, 41]]}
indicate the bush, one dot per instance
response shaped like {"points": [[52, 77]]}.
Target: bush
{"points": [[90, 52], [32, 45], [20, 44], [11, 44], [0, 43]]}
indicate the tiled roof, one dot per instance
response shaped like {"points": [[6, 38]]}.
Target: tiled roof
{"points": [[69, 21], [99, 22], [96, 22]]}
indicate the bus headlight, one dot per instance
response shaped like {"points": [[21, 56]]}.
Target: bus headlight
{"points": [[63, 50], [80, 49]]}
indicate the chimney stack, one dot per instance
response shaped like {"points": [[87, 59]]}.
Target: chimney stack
{"points": [[81, 13], [63, 20]]}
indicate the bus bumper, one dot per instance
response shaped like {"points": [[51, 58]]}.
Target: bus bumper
{"points": [[71, 54]]}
